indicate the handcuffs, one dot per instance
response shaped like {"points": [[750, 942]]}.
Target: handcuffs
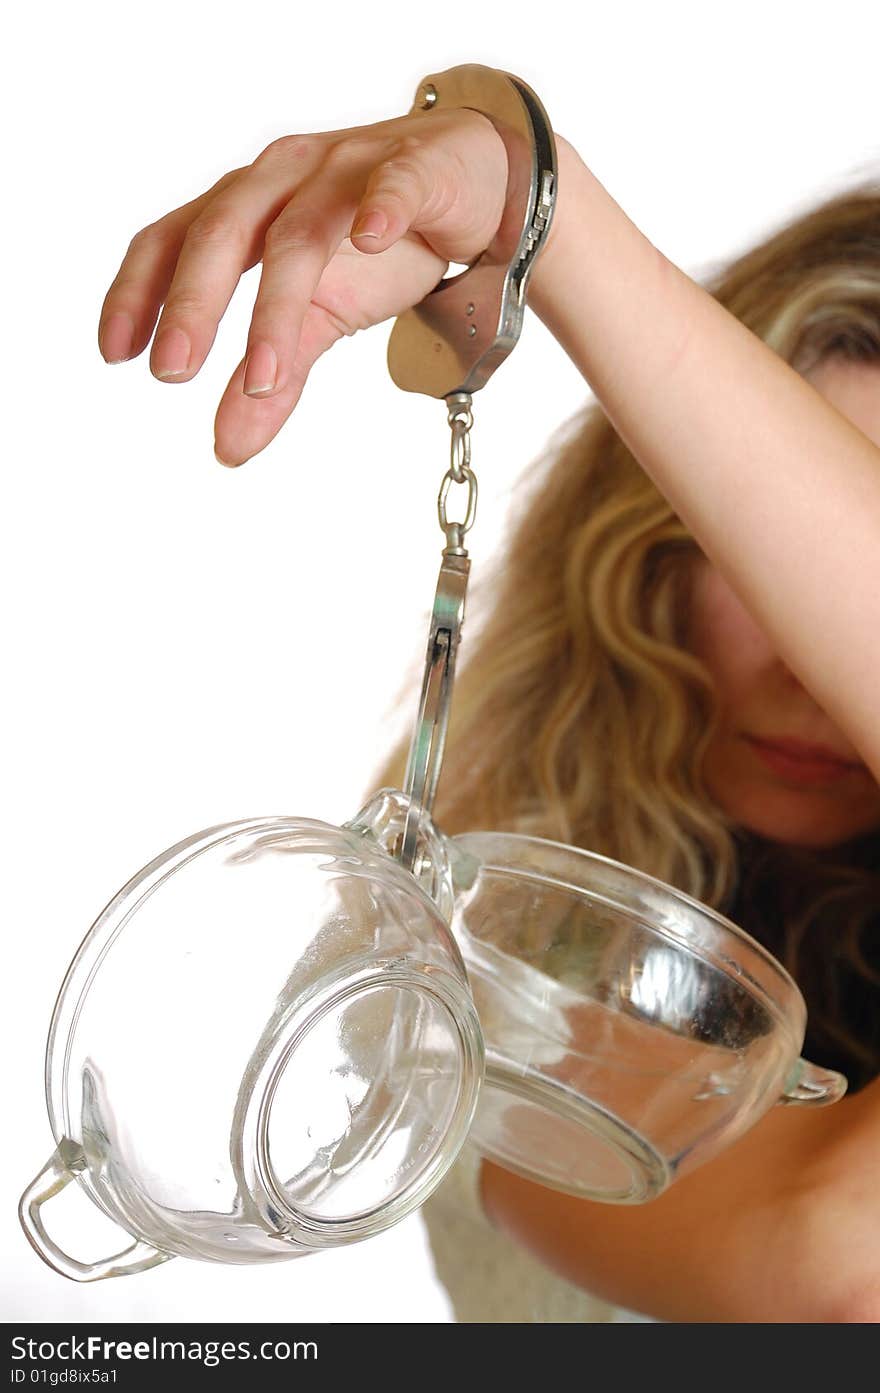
{"points": [[448, 346]]}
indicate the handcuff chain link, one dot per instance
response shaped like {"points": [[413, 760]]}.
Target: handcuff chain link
{"points": [[460, 417]]}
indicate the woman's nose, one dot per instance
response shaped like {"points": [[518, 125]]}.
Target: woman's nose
{"points": [[790, 678], [794, 687]]}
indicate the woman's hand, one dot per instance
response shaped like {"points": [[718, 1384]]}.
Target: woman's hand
{"points": [[306, 207]]}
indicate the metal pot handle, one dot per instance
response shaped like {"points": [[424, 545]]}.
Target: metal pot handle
{"points": [[52, 1179], [807, 1084]]}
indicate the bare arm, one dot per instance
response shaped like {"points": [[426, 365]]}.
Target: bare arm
{"points": [[782, 1227], [781, 491]]}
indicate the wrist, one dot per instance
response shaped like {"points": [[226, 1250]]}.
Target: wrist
{"points": [[570, 169], [598, 278]]}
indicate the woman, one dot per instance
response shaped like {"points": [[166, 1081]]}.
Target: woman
{"points": [[679, 668]]}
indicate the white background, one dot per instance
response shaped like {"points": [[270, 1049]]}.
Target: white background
{"points": [[186, 645]]}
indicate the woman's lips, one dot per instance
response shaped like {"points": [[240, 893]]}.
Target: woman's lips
{"points": [[802, 763]]}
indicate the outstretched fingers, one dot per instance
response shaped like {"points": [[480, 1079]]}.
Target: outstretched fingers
{"points": [[132, 303], [225, 240]]}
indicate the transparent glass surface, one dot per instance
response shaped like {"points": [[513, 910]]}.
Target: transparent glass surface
{"points": [[392, 1084], [273, 1038], [631, 1032], [265, 1045]]}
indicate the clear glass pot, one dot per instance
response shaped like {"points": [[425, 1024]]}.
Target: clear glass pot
{"points": [[264, 1046], [631, 1032], [268, 1043]]}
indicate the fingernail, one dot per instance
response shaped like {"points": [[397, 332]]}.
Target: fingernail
{"points": [[171, 353], [116, 337], [373, 224], [260, 370]]}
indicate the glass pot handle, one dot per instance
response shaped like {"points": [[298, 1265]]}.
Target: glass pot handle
{"points": [[807, 1084], [384, 820], [52, 1179]]}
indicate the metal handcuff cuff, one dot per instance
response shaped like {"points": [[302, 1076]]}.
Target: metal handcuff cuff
{"points": [[277, 1037]]}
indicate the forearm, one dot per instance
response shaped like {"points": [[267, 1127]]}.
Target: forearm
{"points": [[783, 1227], [779, 489]]}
